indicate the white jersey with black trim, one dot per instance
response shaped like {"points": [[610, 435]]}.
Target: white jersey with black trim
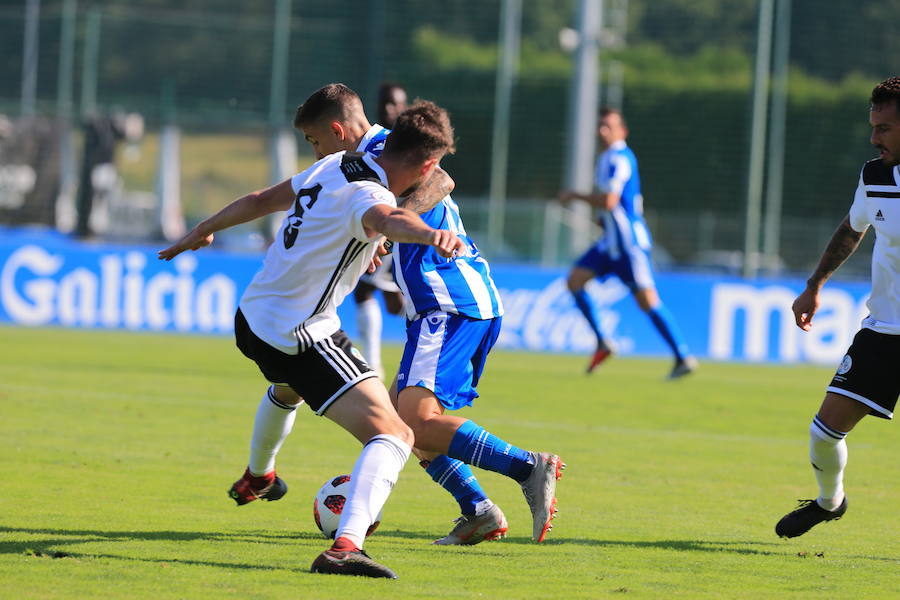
{"points": [[877, 203], [319, 253]]}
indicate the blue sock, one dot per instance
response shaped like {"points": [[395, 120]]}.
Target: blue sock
{"points": [[457, 478], [587, 308], [668, 329], [473, 445]]}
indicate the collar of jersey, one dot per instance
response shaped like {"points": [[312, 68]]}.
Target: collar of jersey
{"points": [[372, 132], [370, 160]]}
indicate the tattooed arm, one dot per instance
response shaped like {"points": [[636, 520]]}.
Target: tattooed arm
{"points": [[426, 196], [843, 243]]}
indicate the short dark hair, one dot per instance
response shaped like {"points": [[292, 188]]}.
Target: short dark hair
{"points": [[332, 101], [386, 96], [385, 92], [886, 92], [608, 110], [421, 132]]}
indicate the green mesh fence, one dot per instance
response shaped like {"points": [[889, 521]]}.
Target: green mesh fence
{"points": [[686, 83]]}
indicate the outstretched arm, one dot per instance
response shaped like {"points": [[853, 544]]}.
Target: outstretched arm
{"points": [[246, 208], [427, 195], [844, 242], [403, 225], [601, 200]]}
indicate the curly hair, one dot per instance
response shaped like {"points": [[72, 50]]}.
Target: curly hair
{"points": [[422, 131], [888, 91]]}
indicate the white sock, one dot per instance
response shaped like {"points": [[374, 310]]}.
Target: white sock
{"points": [[374, 475], [273, 423], [368, 321], [828, 455]]}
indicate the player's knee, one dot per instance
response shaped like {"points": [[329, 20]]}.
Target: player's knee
{"points": [[578, 278], [285, 395], [416, 425], [405, 433], [647, 299], [421, 428]]}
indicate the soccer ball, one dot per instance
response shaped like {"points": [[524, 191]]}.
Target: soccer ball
{"points": [[329, 503]]}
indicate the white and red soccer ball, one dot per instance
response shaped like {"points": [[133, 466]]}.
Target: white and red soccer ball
{"points": [[329, 503]]}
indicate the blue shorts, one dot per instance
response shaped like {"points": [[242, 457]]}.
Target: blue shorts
{"points": [[632, 268], [445, 353]]}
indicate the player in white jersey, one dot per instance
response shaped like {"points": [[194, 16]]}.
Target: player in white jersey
{"points": [[867, 381], [287, 322], [454, 313], [392, 101]]}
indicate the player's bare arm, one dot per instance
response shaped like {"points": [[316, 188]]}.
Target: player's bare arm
{"points": [[246, 208], [433, 190], [843, 243], [601, 200], [403, 225]]}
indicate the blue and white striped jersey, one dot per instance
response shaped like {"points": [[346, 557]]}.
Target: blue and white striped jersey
{"points": [[430, 282], [461, 285], [624, 226]]}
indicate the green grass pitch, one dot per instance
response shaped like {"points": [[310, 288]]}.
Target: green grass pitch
{"points": [[118, 449]]}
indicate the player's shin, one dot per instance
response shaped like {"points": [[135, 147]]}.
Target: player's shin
{"points": [[473, 445], [589, 310], [457, 478], [274, 421], [374, 475], [665, 324], [828, 455]]}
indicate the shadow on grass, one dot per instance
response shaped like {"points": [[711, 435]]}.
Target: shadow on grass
{"points": [[174, 536], [734, 547], [54, 545]]}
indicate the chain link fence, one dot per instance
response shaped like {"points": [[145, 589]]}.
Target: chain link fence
{"points": [[681, 71]]}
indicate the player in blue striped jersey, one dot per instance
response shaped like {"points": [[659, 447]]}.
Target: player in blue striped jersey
{"points": [[461, 286], [454, 313], [624, 248]]}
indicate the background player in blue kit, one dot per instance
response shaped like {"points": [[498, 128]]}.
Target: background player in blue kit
{"points": [[454, 313], [624, 248]]}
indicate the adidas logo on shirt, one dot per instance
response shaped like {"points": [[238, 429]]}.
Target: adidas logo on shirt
{"points": [[879, 216]]}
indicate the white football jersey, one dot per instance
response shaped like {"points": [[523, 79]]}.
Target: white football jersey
{"points": [[877, 203], [319, 253]]}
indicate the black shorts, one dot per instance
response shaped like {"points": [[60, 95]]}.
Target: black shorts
{"points": [[320, 375], [870, 372]]}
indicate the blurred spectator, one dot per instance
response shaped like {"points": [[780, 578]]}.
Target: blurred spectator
{"points": [[98, 171], [391, 102], [29, 170]]}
